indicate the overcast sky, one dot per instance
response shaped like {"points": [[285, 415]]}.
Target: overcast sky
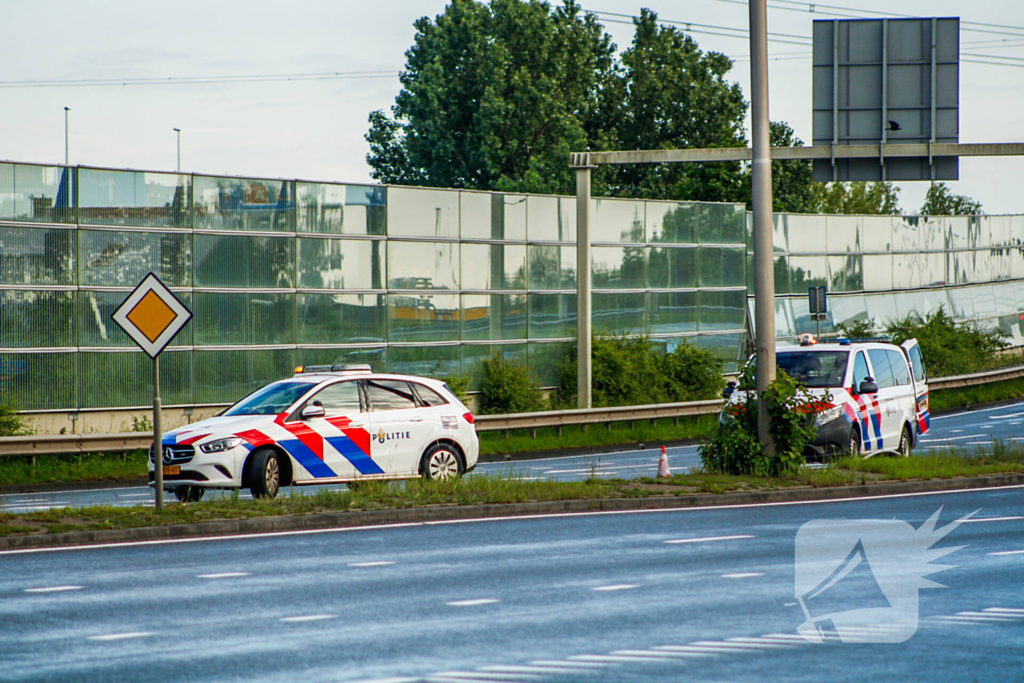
{"points": [[313, 129]]}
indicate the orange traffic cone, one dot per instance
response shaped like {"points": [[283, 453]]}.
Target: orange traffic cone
{"points": [[663, 470]]}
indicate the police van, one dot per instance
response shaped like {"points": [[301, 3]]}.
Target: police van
{"points": [[327, 424], [874, 394]]}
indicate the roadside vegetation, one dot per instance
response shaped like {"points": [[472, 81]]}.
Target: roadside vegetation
{"points": [[483, 489]]}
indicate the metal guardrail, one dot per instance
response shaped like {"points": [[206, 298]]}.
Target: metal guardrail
{"points": [[62, 444], [581, 416], [987, 377]]}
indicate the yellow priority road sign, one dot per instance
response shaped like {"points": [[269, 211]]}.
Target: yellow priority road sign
{"points": [[152, 315]]}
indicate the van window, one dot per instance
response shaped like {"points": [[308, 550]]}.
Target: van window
{"points": [[860, 371], [917, 363], [898, 362], [814, 369], [883, 372]]}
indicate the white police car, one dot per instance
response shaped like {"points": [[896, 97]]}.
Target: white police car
{"points": [[874, 393], [327, 424]]}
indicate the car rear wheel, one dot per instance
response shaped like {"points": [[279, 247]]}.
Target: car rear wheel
{"points": [[441, 461], [265, 473], [904, 449], [189, 494]]}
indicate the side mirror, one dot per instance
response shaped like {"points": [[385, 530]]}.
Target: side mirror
{"points": [[729, 389], [868, 386], [312, 410]]}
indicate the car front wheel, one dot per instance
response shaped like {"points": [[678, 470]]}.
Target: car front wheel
{"points": [[265, 474], [853, 448], [441, 461]]}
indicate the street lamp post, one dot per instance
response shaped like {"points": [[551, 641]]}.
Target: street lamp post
{"points": [[66, 110], [178, 131]]}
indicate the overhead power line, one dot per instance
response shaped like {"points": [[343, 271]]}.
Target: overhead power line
{"points": [[199, 80], [843, 13]]}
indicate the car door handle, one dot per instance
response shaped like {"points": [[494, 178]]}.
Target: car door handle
{"points": [[415, 419], [355, 424]]}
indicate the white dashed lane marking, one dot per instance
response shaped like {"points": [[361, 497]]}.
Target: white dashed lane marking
{"points": [[311, 617], [708, 539], [473, 603], [121, 636], [617, 587], [380, 563], [742, 575], [222, 575], [1008, 552], [53, 589]]}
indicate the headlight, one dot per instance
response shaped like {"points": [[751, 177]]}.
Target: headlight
{"points": [[220, 445], [828, 415]]}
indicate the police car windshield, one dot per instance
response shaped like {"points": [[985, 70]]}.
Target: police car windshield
{"points": [[814, 369], [271, 399]]}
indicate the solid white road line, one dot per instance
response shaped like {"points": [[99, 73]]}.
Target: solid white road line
{"points": [[1008, 610], [473, 603], [742, 575], [1008, 552], [708, 539], [617, 587], [222, 575], [380, 563], [991, 615], [53, 589], [508, 518], [977, 520], [121, 636], [389, 680], [729, 647], [311, 617]]}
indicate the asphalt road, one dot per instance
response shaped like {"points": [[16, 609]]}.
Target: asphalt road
{"points": [[698, 594], [970, 429]]}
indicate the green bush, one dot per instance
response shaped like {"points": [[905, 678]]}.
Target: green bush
{"points": [[12, 423], [736, 449], [506, 387], [949, 348], [630, 371]]}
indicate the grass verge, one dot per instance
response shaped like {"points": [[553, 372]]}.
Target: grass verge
{"points": [[983, 393], [507, 488], [598, 436], [64, 468]]}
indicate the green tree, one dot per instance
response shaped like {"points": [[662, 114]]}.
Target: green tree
{"points": [[494, 97], [674, 96], [881, 198], [940, 201]]}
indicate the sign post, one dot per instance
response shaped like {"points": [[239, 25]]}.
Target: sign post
{"points": [[817, 306], [152, 316]]}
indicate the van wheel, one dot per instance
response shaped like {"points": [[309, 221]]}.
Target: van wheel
{"points": [[189, 494], [904, 449], [441, 461], [853, 447], [265, 474]]}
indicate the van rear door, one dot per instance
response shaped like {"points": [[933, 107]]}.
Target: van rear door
{"points": [[920, 376]]}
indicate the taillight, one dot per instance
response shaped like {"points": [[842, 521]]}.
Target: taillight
{"points": [[469, 417]]}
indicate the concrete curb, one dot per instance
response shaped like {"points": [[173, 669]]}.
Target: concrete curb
{"points": [[456, 512]]}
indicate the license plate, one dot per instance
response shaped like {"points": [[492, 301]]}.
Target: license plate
{"points": [[171, 470]]}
